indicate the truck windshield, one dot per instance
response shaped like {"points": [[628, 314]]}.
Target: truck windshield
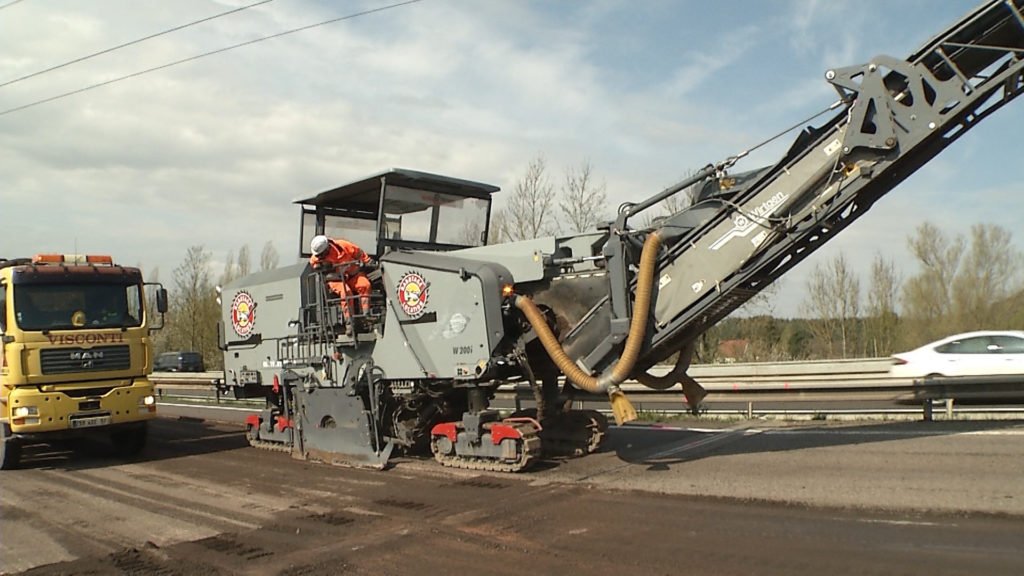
{"points": [[77, 306]]}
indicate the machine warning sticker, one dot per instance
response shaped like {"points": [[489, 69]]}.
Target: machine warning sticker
{"points": [[413, 292], [243, 313]]}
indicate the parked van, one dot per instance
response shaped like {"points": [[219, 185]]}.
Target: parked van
{"points": [[179, 362]]}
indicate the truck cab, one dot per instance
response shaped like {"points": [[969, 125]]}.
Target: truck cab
{"points": [[75, 352]]}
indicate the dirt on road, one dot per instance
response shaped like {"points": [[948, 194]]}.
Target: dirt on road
{"points": [[202, 502]]}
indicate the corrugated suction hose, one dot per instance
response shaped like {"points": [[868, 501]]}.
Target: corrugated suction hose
{"points": [[693, 391], [609, 381]]}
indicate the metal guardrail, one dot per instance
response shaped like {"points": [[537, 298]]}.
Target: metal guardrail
{"points": [[765, 373], [860, 380]]}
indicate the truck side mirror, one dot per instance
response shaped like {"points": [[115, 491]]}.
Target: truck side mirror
{"points": [[161, 300]]}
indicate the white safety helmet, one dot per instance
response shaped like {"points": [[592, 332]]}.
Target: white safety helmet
{"points": [[319, 244]]}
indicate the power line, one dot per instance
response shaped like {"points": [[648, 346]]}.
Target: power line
{"points": [[126, 44], [9, 4], [205, 54]]}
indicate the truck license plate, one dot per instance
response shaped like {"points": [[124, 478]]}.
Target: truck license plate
{"points": [[90, 421]]}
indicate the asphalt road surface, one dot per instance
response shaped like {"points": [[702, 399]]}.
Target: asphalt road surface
{"points": [[740, 498]]}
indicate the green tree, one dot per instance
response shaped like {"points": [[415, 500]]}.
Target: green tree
{"points": [[962, 284], [192, 322], [928, 295], [759, 327], [795, 340], [989, 274]]}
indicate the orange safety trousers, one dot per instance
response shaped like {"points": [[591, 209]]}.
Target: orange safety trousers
{"points": [[356, 284]]}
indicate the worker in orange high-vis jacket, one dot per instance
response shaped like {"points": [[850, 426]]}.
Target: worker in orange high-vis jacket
{"points": [[351, 262]]}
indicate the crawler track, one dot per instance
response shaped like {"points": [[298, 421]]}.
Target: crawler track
{"points": [[529, 452], [264, 444]]}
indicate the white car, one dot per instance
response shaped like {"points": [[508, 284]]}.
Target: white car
{"points": [[970, 354]]}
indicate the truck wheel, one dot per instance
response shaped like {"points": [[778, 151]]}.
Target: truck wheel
{"points": [[129, 442], [10, 449]]}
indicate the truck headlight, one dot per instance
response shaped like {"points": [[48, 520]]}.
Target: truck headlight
{"points": [[147, 401], [23, 411]]}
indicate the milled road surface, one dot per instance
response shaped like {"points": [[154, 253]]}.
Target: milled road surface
{"points": [[746, 498]]}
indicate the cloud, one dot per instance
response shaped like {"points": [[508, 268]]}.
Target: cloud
{"points": [[214, 151]]}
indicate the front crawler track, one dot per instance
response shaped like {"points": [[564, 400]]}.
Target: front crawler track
{"points": [[571, 433]]}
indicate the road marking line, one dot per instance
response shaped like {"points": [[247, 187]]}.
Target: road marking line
{"points": [[899, 522], [837, 432], [908, 433], [661, 428], [723, 435]]}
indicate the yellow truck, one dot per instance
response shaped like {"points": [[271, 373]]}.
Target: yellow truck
{"points": [[75, 352]]}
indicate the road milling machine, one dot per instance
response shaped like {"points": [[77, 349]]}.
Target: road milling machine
{"points": [[452, 317]]}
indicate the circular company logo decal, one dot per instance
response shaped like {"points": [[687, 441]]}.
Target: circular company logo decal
{"points": [[243, 313], [412, 294]]}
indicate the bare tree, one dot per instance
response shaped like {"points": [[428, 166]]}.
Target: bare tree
{"points": [[268, 257], [833, 297], [882, 323], [470, 233], [583, 200], [677, 201], [674, 203], [762, 303], [229, 272], [499, 228], [529, 210], [244, 266]]}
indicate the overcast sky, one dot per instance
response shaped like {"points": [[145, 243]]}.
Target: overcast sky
{"points": [[213, 152]]}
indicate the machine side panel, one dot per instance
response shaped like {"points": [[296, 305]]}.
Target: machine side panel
{"points": [[257, 310], [443, 316], [523, 259]]}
